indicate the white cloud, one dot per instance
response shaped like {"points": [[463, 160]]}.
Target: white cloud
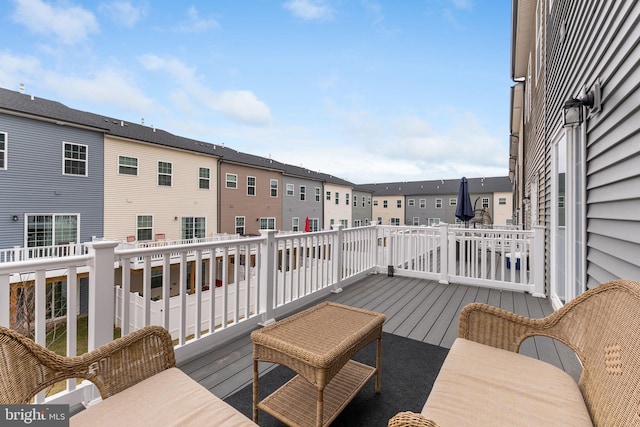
{"points": [[240, 105], [194, 23], [17, 69], [123, 12], [69, 24], [462, 4], [310, 9]]}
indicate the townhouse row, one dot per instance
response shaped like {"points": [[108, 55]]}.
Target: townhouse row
{"points": [[68, 176]]}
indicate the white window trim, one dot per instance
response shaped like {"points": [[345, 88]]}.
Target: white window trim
{"points": [[5, 151], [206, 179], [153, 222], [226, 181], [272, 188], [293, 190], [86, 161], [244, 224], [255, 186], [438, 202], [136, 167], [53, 215], [164, 174]]}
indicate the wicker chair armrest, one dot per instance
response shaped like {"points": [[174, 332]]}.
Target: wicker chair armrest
{"points": [[112, 367], [497, 327], [412, 419]]}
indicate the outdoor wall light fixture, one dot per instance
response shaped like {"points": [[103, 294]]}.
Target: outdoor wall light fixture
{"points": [[573, 113], [14, 217]]}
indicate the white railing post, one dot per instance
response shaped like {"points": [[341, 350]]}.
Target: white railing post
{"points": [[374, 246], [538, 261], [267, 276], [337, 256], [5, 300], [444, 253], [101, 293]]}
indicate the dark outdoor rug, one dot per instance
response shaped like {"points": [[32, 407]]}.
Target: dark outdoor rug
{"points": [[409, 368]]}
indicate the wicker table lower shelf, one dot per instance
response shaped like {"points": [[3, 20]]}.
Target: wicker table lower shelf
{"points": [[338, 393]]}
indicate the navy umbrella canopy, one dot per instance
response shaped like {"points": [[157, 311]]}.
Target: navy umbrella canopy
{"points": [[464, 210]]}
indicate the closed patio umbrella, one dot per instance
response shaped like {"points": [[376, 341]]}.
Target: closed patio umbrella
{"points": [[464, 211], [307, 225]]}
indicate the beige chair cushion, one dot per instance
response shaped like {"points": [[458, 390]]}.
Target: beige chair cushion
{"points": [[480, 385], [170, 398]]}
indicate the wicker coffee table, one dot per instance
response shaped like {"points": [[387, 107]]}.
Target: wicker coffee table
{"points": [[317, 344]]}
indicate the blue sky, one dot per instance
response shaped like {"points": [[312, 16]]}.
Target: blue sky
{"points": [[370, 91]]}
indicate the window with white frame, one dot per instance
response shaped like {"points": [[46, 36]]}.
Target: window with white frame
{"points": [[416, 220], [144, 227], [346, 199], [267, 223], [399, 203], [344, 223], [251, 186], [317, 194], [165, 173], [75, 159], [438, 203], [194, 227], [502, 201], [453, 201], [485, 202], [3, 150], [52, 229], [127, 165], [434, 221], [411, 202], [204, 178], [303, 192], [295, 224], [385, 204], [314, 224], [273, 186], [375, 203], [357, 222], [337, 198], [231, 180], [369, 200], [355, 200], [239, 220], [423, 203], [395, 221], [289, 189], [380, 220], [328, 195]]}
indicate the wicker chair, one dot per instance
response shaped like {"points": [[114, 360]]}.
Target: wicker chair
{"points": [[602, 326], [27, 368]]}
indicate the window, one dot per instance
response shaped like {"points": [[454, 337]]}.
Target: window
{"points": [[239, 225], [423, 203], [3, 150], [274, 187], [50, 230], [295, 224], [204, 175], [453, 201], [385, 204], [355, 200], [303, 192], [193, 227], [434, 221], [357, 222], [164, 174], [416, 220], [144, 227], [289, 189], [369, 200], [395, 221], [328, 195], [502, 201], [231, 180], [317, 194], [485, 202], [380, 220], [127, 165], [375, 203], [399, 203], [314, 224], [344, 223], [267, 223], [75, 159], [346, 199], [337, 197], [411, 202], [438, 203], [251, 186]]}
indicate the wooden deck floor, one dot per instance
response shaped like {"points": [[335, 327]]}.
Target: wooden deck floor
{"points": [[419, 309]]}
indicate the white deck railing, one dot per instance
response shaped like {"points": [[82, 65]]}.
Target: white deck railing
{"points": [[215, 290]]}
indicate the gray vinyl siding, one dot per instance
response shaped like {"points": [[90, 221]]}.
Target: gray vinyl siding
{"points": [[33, 182], [602, 42], [293, 207], [359, 212]]}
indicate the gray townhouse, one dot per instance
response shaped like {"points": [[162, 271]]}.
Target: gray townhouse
{"points": [[302, 198], [51, 172], [362, 200]]}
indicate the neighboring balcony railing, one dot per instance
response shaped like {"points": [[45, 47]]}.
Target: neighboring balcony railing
{"points": [[208, 292]]}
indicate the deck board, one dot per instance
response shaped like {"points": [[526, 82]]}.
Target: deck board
{"points": [[420, 309]]}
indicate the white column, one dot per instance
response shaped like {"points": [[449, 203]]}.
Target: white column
{"points": [[101, 293]]}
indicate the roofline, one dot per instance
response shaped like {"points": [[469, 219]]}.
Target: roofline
{"points": [[52, 120]]}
